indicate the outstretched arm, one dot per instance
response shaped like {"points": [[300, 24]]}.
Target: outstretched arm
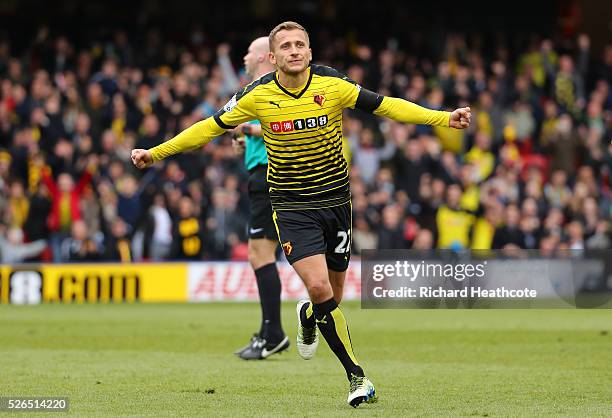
{"points": [[400, 110], [408, 112], [195, 136], [238, 110]]}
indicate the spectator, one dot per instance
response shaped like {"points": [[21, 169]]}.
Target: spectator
{"points": [[151, 132], [390, 233], [363, 237], [18, 205], [410, 162], [65, 205], [557, 193], [485, 227], [453, 224], [562, 145], [481, 157], [160, 229], [366, 155], [188, 233], [575, 235], [600, 240], [223, 224], [79, 246], [12, 248], [510, 231], [36, 225], [128, 204], [424, 240], [117, 245]]}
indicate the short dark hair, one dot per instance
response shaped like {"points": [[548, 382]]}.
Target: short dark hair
{"points": [[288, 25]]}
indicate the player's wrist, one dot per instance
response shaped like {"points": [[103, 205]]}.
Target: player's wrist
{"points": [[152, 154]]}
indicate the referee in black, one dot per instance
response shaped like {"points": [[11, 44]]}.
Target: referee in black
{"points": [[263, 240]]}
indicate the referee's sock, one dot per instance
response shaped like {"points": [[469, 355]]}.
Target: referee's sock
{"points": [[269, 286], [333, 326]]}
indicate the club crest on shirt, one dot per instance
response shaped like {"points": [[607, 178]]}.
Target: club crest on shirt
{"points": [[287, 248], [319, 99]]}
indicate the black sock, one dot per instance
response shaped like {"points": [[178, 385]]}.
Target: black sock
{"points": [[269, 286], [333, 326], [307, 316]]}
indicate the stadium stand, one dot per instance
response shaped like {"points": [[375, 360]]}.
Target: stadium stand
{"points": [[532, 172]]}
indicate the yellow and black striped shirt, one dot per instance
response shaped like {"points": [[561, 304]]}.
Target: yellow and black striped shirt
{"points": [[302, 131]]}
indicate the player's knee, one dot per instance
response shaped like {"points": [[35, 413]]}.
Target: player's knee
{"points": [[319, 291], [259, 254]]}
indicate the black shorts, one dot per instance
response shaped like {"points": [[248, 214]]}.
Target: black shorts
{"points": [[260, 221], [307, 232]]}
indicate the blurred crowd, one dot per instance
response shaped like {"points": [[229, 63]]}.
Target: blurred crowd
{"points": [[533, 170]]}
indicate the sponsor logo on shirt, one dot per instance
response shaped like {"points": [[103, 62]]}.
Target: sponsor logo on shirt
{"points": [[299, 124]]}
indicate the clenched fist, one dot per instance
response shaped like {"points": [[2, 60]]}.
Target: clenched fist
{"points": [[141, 158], [460, 118]]}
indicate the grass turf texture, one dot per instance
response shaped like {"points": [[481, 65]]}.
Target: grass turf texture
{"points": [[176, 360]]}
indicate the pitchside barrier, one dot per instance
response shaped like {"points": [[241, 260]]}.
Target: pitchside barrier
{"points": [[148, 282], [380, 279]]}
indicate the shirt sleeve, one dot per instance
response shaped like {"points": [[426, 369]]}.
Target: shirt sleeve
{"points": [[349, 91], [239, 109], [195, 136], [407, 112], [354, 96]]}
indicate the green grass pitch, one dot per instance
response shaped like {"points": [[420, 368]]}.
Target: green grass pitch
{"points": [[176, 360]]}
